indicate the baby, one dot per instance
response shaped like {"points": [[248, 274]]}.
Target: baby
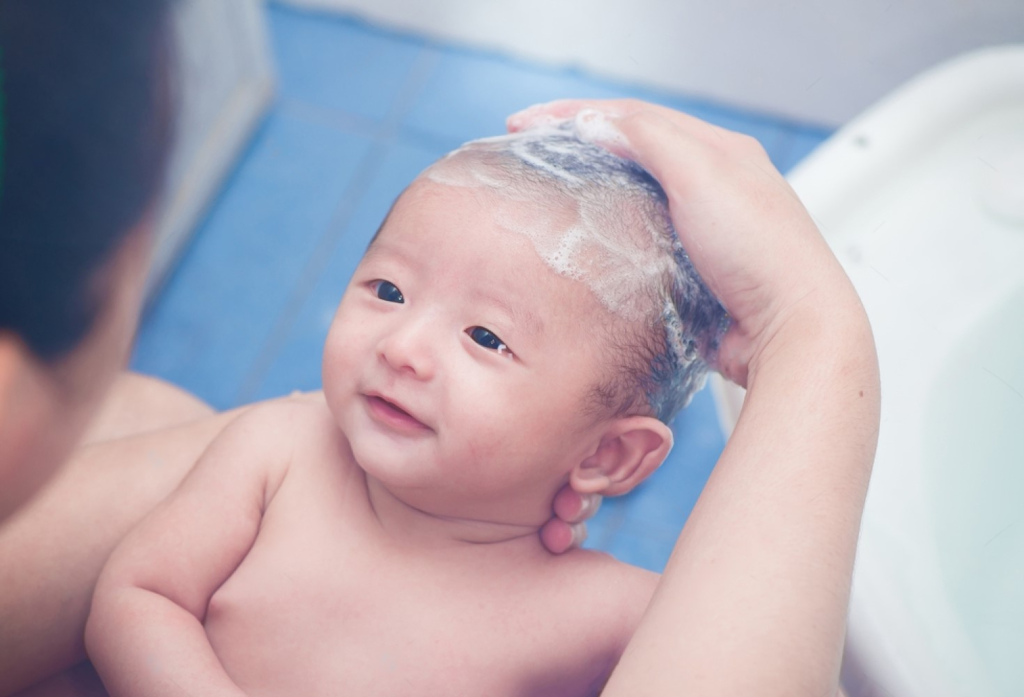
{"points": [[525, 317]]}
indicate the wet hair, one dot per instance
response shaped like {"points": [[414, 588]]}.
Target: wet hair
{"points": [[85, 130], [604, 221]]}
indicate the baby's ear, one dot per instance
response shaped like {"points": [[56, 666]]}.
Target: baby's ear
{"points": [[631, 448]]}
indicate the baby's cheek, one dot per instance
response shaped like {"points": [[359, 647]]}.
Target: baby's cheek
{"points": [[489, 435], [342, 363], [333, 364]]}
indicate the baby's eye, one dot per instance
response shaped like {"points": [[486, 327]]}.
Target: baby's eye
{"points": [[386, 290], [488, 339]]}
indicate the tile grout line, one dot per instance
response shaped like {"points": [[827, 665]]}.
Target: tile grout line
{"points": [[315, 265], [317, 262], [338, 120]]}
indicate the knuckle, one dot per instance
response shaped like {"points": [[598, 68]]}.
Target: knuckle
{"points": [[633, 104], [640, 124], [749, 145]]}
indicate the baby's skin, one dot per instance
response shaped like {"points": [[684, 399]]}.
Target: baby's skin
{"points": [[382, 539]]}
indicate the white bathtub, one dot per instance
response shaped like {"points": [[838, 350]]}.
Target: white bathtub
{"points": [[922, 200]]}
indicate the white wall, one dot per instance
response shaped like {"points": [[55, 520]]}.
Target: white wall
{"points": [[224, 83], [815, 60]]}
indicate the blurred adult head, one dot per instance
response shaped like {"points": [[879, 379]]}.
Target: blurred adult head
{"points": [[85, 122]]}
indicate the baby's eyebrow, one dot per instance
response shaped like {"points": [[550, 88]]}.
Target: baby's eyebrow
{"points": [[521, 316], [378, 247]]}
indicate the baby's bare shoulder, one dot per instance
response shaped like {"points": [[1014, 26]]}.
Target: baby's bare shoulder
{"points": [[592, 603], [302, 432], [612, 595], [602, 568], [278, 433], [603, 575], [284, 421]]}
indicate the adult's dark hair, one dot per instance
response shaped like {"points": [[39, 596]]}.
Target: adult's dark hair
{"points": [[86, 116]]}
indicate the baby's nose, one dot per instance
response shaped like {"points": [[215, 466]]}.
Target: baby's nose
{"points": [[408, 348]]}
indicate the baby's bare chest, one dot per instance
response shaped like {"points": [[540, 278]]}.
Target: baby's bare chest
{"points": [[318, 607]]}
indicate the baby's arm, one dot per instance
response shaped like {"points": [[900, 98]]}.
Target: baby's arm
{"points": [[145, 632]]}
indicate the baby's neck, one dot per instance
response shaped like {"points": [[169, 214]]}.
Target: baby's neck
{"points": [[412, 525]]}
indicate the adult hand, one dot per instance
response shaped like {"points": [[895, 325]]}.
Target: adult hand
{"points": [[761, 573], [749, 236], [567, 528]]}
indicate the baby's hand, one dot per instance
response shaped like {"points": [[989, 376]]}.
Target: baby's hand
{"points": [[567, 529], [746, 231]]}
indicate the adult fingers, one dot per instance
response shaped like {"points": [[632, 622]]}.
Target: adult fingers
{"points": [[746, 231], [560, 110], [560, 537], [567, 529], [573, 507], [681, 151]]}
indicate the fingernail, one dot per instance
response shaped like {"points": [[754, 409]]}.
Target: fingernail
{"points": [[530, 121], [587, 502], [521, 117], [579, 534]]}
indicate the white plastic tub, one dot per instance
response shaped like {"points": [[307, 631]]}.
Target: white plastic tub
{"points": [[922, 200]]}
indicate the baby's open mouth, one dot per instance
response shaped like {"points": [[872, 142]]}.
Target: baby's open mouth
{"points": [[395, 407], [393, 415]]}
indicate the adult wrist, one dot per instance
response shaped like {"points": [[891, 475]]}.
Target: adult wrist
{"points": [[835, 339]]}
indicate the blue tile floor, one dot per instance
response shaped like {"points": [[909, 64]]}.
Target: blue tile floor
{"points": [[359, 112]]}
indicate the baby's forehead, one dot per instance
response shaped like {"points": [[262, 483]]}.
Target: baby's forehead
{"points": [[473, 241], [591, 217], [501, 183], [467, 213], [614, 238]]}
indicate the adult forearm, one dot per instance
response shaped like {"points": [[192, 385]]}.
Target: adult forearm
{"points": [[51, 553], [754, 598], [145, 645]]}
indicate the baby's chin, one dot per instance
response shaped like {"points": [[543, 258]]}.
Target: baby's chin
{"points": [[433, 491]]}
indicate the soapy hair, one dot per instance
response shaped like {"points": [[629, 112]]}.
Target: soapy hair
{"points": [[602, 220]]}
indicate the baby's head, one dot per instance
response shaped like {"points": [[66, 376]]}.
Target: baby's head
{"points": [[603, 221], [528, 303]]}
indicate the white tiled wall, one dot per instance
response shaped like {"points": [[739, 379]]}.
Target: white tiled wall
{"points": [[816, 60]]}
